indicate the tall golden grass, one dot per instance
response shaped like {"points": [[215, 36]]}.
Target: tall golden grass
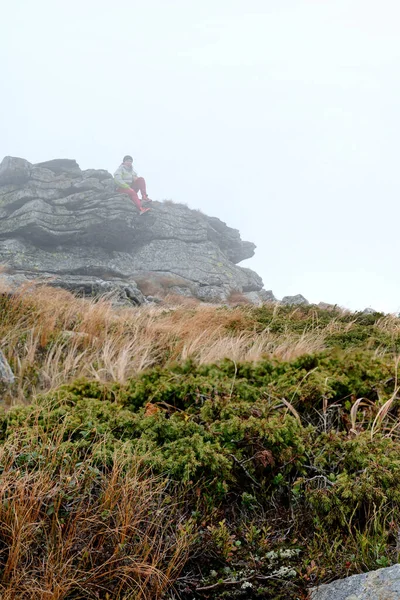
{"points": [[51, 337]]}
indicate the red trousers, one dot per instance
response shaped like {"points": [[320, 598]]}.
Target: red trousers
{"points": [[139, 185]]}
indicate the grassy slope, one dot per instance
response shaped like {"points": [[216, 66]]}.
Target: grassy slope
{"points": [[194, 451]]}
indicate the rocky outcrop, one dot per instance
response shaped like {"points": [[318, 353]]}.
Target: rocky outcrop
{"points": [[383, 583], [295, 300], [71, 228]]}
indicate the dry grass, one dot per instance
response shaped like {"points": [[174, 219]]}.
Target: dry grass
{"points": [[67, 528], [237, 298], [51, 337], [153, 284], [389, 324]]}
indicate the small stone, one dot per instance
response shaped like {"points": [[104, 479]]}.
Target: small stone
{"points": [[6, 374], [295, 300]]}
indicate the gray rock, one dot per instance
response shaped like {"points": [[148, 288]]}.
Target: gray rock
{"points": [[369, 311], [326, 305], [62, 165], [253, 298], [383, 584], [228, 240], [56, 219], [181, 291], [213, 293], [6, 374], [122, 291], [154, 299], [59, 260], [43, 175], [298, 299], [14, 170], [99, 174], [202, 263], [83, 219], [254, 281], [267, 296]]}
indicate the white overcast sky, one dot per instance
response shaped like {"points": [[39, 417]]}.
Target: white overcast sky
{"points": [[281, 117]]}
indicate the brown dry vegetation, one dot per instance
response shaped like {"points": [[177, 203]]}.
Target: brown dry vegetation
{"points": [[51, 337], [151, 284], [69, 529], [136, 479]]}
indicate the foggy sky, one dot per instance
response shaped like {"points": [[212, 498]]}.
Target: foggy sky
{"points": [[281, 117]]}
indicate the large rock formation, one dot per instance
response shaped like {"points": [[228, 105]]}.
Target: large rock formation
{"points": [[71, 228]]}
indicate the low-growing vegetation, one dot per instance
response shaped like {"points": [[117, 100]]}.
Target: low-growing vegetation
{"points": [[194, 451]]}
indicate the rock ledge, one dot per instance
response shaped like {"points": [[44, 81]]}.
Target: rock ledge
{"points": [[72, 227]]}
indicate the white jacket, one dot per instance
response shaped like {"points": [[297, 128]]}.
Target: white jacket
{"points": [[124, 176]]}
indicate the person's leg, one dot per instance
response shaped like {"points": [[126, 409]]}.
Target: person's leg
{"points": [[133, 196], [139, 185]]}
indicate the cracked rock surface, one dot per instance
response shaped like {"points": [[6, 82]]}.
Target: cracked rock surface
{"points": [[62, 224]]}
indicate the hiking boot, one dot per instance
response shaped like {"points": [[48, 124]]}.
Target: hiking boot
{"points": [[147, 199], [143, 210]]}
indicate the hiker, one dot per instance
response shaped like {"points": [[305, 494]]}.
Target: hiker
{"points": [[129, 183]]}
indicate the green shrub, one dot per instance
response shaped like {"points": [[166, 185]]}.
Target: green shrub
{"points": [[242, 439]]}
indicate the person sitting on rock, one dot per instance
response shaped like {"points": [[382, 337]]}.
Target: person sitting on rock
{"points": [[129, 183]]}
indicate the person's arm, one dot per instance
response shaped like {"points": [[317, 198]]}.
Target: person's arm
{"points": [[118, 178], [134, 175]]}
